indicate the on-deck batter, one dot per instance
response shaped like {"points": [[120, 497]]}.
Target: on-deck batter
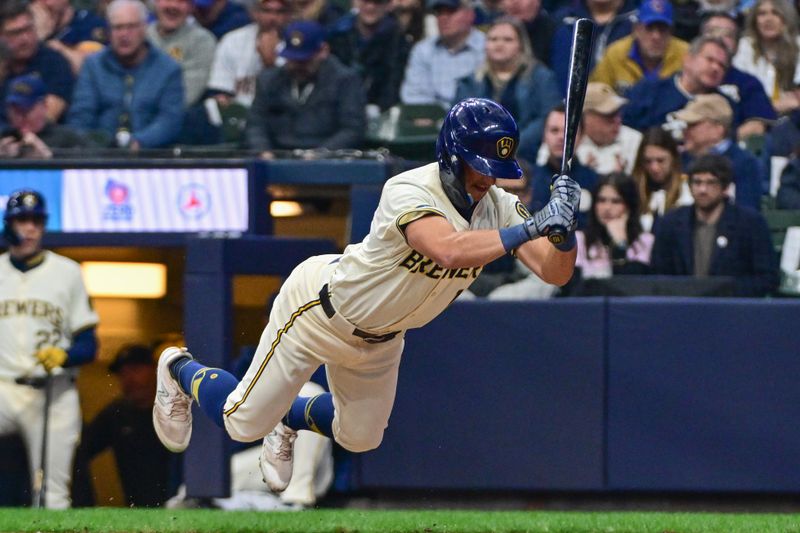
{"points": [[47, 325], [435, 228]]}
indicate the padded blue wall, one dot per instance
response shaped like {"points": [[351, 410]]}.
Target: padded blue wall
{"points": [[498, 396], [703, 395]]}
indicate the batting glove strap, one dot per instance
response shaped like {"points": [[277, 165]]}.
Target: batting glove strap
{"points": [[567, 189], [51, 357], [515, 236]]}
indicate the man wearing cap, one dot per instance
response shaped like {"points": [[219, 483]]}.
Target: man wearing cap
{"points": [[28, 55], [651, 51], [31, 134], [313, 101], [437, 63], [131, 91], [191, 45], [47, 332], [714, 237], [613, 20], [708, 123], [372, 42], [607, 145], [220, 16], [243, 53], [125, 426]]}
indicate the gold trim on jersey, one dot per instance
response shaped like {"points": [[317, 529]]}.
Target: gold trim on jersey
{"points": [[284, 329], [415, 214]]}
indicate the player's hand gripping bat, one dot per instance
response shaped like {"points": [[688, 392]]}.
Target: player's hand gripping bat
{"points": [[576, 90]]}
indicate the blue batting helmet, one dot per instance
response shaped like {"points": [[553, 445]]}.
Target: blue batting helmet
{"points": [[482, 134], [25, 202]]}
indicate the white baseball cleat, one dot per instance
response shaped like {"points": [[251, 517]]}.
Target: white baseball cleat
{"points": [[172, 408], [276, 457]]}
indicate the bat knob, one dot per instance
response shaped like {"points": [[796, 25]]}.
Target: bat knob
{"points": [[557, 235]]}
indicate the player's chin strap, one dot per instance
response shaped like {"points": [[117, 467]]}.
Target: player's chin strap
{"points": [[456, 193], [11, 237]]}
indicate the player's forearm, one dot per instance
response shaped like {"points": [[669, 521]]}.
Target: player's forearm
{"points": [[546, 261], [466, 249]]}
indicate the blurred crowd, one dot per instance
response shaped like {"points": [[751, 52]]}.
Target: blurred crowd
{"points": [[671, 83]]}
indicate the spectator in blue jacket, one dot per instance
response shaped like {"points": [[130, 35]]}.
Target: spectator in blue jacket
{"points": [[708, 123], [742, 88], [29, 55], [650, 101], [613, 19], [714, 237], [512, 77], [131, 91]]}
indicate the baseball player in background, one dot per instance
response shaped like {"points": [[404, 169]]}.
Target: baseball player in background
{"points": [[435, 227], [47, 329]]}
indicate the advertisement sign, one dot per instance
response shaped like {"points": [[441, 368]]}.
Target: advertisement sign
{"points": [[176, 200]]}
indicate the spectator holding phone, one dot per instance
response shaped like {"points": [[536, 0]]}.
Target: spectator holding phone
{"points": [[30, 133]]}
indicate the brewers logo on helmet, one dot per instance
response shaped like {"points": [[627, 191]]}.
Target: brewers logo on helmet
{"points": [[22, 203], [505, 147], [482, 134]]}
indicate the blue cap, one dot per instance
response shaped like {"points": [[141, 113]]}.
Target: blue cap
{"points": [[25, 91], [203, 3], [302, 39], [652, 11]]}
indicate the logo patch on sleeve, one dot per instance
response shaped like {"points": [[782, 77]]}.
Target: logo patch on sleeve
{"points": [[522, 210]]}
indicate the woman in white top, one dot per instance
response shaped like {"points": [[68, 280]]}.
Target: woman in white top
{"points": [[770, 50], [657, 172]]}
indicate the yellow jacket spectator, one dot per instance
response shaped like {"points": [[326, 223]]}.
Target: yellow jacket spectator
{"points": [[651, 51]]}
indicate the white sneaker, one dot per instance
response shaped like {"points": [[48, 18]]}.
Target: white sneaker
{"points": [[276, 457], [172, 408]]}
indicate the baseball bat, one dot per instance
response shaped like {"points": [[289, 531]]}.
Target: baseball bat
{"points": [[40, 476], [576, 91]]}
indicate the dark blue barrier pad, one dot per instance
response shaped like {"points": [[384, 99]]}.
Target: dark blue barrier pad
{"points": [[208, 300], [498, 396], [703, 395]]}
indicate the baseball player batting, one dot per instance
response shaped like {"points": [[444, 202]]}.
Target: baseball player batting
{"points": [[47, 326], [434, 229]]}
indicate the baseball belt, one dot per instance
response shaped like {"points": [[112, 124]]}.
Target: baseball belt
{"points": [[325, 301]]}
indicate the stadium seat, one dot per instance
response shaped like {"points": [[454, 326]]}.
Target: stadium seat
{"points": [[408, 130], [778, 221], [234, 121]]}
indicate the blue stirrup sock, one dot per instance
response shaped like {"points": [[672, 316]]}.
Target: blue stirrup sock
{"points": [[314, 414], [210, 387]]}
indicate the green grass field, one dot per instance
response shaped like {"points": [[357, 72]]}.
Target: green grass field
{"points": [[105, 520]]}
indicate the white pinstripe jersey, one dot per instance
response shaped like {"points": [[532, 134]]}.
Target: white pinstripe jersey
{"points": [[44, 306], [382, 284]]}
